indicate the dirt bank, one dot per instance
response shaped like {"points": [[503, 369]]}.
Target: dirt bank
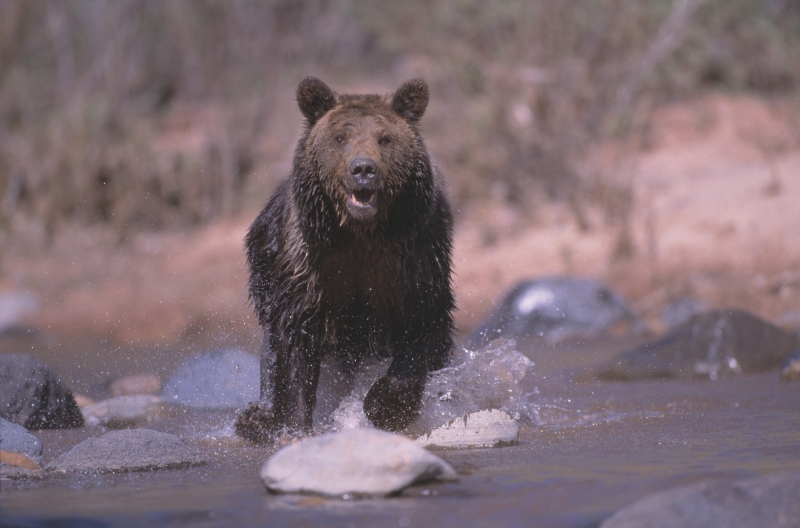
{"points": [[715, 214]]}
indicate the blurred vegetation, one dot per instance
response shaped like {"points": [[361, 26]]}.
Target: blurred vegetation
{"points": [[157, 114]]}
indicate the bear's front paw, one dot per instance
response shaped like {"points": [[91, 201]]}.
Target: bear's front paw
{"points": [[257, 424], [392, 403]]}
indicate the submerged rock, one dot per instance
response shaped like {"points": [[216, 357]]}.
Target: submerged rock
{"points": [[492, 428], [135, 384], [127, 450], [222, 379], [127, 411], [556, 309], [716, 343], [767, 501], [478, 380], [16, 440], [791, 371], [33, 396], [362, 461]]}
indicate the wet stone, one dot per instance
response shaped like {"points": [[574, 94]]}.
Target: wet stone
{"points": [[221, 379], [15, 439], [128, 450], [356, 462], [128, 411], [135, 384], [791, 371], [713, 344], [767, 501], [490, 428], [556, 309], [33, 396]]}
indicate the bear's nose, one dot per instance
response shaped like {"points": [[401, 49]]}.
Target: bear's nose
{"points": [[363, 171]]}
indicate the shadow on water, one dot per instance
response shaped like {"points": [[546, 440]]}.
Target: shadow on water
{"points": [[586, 448]]}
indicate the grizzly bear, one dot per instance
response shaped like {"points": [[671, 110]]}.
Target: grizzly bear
{"points": [[351, 259]]}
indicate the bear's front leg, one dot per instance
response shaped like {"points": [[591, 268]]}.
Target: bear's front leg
{"points": [[395, 399], [257, 423], [289, 376]]}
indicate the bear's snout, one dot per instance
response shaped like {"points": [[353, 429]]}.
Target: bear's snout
{"points": [[363, 188], [364, 173]]}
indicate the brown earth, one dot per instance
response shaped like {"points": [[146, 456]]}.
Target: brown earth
{"points": [[715, 215]]}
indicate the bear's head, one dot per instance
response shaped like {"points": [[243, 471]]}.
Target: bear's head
{"points": [[363, 151]]}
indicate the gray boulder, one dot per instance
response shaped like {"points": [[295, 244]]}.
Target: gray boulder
{"points": [[767, 502], [791, 370], [713, 344], [222, 379], [33, 396], [359, 461], [555, 309], [16, 439], [127, 450]]}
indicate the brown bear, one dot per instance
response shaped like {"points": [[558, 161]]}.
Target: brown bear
{"points": [[351, 259]]}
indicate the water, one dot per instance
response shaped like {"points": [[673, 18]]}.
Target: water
{"points": [[586, 448]]}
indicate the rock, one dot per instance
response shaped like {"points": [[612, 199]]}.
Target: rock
{"points": [[791, 371], [222, 379], [556, 309], [478, 380], [15, 439], [135, 384], [33, 396], [14, 306], [681, 311], [13, 472], [716, 343], [767, 501], [127, 411], [492, 428], [127, 450], [361, 461]]}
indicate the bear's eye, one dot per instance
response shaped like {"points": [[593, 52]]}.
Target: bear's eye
{"points": [[384, 140], [339, 138]]}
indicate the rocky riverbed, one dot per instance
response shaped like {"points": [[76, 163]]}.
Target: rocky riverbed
{"points": [[570, 447]]}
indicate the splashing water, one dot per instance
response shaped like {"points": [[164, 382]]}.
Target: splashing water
{"points": [[488, 378]]}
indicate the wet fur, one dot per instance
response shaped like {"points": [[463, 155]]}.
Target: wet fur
{"points": [[324, 281]]}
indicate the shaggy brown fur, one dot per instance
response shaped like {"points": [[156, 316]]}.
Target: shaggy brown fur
{"points": [[352, 257]]}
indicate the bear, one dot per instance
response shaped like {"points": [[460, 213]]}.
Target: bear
{"points": [[351, 258]]}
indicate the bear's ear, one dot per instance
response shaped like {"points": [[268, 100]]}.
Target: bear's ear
{"points": [[314, 99], [411, 100]]}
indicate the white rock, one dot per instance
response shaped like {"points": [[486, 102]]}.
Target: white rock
{"points": [[361, 461], [127, 411], [489, 428]]}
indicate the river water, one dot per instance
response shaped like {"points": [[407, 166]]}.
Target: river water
{"points": [[586, 448]]}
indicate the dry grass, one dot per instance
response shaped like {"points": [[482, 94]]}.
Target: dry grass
{"points": [[149, 115]]}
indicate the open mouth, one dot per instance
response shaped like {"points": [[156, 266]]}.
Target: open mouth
{"points": [[364, 198]]}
